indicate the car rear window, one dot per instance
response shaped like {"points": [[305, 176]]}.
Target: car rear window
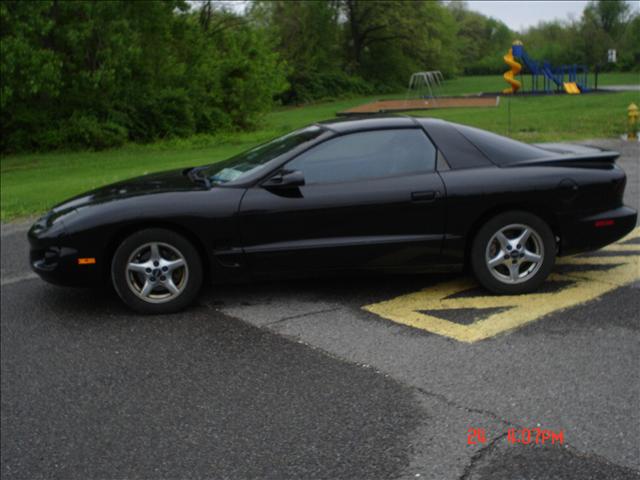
{"points": [[500, 150]]}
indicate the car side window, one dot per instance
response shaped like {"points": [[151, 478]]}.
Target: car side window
{"points": [[366, 155]]}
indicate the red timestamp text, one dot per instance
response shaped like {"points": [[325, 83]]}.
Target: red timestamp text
{"points": [[525, 436], [536, 435]]}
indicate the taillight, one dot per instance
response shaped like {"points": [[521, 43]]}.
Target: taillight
{"points": [[604, 223]]}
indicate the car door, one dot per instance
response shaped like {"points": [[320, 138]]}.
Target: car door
{"points": [[371, 199]]}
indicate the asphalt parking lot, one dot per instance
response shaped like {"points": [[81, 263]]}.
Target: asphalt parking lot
{"points": [[356, 378]]}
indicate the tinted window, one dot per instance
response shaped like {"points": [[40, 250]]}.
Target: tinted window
{"points": [[459, 152], [363, 155], [252, 160], [500, 150]]}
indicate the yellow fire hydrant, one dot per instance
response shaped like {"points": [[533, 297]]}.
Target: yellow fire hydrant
{"points": [[632, 133]]}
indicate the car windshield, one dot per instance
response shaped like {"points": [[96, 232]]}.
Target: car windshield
{"points": [[249, 162]]}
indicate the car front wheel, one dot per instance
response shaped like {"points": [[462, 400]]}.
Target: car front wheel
{"points": [[156, 271], [513, 253]]}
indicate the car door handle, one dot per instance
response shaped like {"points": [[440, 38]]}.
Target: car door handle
{"points": [[423, 196]]}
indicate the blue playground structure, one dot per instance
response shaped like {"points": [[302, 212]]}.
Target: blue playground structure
{"points": [[569, 78]]}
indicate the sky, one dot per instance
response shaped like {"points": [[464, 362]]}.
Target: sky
{"points": [[519, 15]]}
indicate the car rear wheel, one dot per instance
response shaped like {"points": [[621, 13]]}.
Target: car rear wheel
{"points": [[156, 271], [513, 253]]}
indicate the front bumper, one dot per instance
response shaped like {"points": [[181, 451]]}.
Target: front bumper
{"points": [[596, 231], [56, 260]]}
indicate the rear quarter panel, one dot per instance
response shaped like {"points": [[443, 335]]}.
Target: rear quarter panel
{"points": [[558, 194]]}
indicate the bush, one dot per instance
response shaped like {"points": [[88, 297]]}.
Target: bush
{"points": [[489, 65], [156, 70], [166, 115], [323, 86], [89, 132], [82, 132]]}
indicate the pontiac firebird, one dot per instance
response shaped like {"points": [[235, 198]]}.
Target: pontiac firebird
{"points": [[392, 193]]}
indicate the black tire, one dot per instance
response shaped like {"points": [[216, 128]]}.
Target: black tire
{"points": [[498, 278], [173, 249]]}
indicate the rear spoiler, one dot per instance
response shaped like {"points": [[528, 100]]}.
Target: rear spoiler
{"points": [[582, 159]]}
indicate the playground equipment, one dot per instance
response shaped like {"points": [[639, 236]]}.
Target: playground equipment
{"points": [[570, 78], [422, 95], [509, 75], [423, 84]]}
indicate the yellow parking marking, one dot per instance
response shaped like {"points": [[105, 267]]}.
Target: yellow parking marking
{"points": [[515, 311]]}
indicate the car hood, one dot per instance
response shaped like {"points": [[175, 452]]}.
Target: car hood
{"points": [[154, 183]]}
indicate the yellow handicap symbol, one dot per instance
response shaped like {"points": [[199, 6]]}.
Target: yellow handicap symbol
{"points": [[577, 280]]}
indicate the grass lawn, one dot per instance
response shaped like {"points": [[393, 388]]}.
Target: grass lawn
{"points": [[495, 83], [32, 183]]}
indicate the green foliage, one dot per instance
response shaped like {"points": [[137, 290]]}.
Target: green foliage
{"points": [[386, 41], [611, 15], [94, 74], [481, 41], [80, 130], [604, 25], [306, 35], [28, 67], [555, 42], [630, 46], [341, 47], [325, 85]]}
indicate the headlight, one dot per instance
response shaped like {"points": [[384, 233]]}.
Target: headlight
{"points": [[57, 217], [51, 222]]}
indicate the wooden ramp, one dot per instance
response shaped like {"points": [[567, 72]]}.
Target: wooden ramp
{"points": [[382, 106]]}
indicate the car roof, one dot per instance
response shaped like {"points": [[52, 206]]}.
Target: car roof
{"points": [[461, 145], [369, 122], [355, 123]]}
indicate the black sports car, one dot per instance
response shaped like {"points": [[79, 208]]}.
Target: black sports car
{"points": [[389, 193]]}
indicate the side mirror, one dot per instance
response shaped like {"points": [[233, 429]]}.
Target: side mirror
{"points": [[285, 180]]}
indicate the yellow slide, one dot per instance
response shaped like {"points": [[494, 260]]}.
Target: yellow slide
{"points": [[510, 74], [571, 88]]}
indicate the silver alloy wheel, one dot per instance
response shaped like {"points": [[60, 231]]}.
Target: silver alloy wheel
{"points": [[514, 254], [157, 272]]}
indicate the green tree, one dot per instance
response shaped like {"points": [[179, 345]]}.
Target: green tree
{"points": [[481, 41], [604, 25], [556, 42], [98, 73], [307, 37], [630, 45], [612, 15], [386, 41]]}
